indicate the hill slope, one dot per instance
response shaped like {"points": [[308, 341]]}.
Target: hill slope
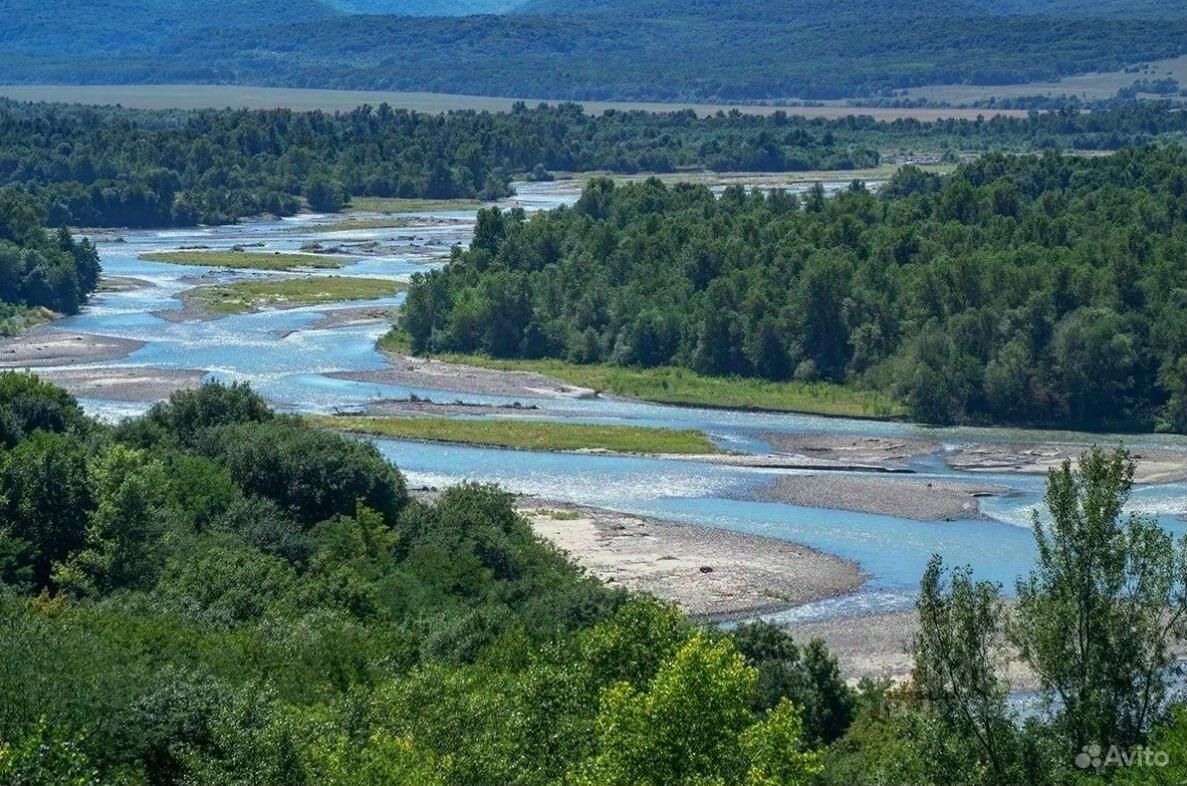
{"points": [[425, 7], [674, 50], [38, 27]]}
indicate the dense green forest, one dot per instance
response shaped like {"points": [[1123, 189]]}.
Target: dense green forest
{"points": [[114, 167], [668, 50], [1033, 290], [118, 168], [39, 269], [216, 594]]}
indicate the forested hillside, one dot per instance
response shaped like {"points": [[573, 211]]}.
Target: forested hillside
{"points": [[87, 29], [113, 167], [589, 49], [215, 594], [424, 7], [219, 595], [1041, 290]]}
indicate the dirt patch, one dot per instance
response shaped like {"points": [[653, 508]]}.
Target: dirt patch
{"points": [[133, 383], [878, 646], [344, 317], [916, 499], [425, 406], [408, 371], [709, 573], [46, 346], [1153, 465], [852, 449]]}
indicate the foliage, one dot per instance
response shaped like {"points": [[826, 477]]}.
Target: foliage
{"points": [[28, 404], [241, 296], [40, 268], [1028, 290], [1101, 612], [239, 260], [216, 594]]}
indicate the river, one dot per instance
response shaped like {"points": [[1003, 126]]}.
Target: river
{"points": [[288, 359]]}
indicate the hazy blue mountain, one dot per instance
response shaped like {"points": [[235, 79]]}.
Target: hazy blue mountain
{"points": [[425, 7], [1170, 9], [674, 50], [44, 26]]}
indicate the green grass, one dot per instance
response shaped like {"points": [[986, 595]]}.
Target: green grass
{"points": [[15, 320], [681, 386], [671, 385], [525, 434], [244, 261], [244, 296]]}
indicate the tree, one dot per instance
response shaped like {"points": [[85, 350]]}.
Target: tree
{"points": [[45, 499], [809, 677], [326, 196], [129, 490], [1099, 614], [28, 404], [313, 475], [957, 661], [684, 728]]}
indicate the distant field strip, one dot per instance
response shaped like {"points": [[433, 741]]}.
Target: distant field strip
{"points": [[301, 99]]}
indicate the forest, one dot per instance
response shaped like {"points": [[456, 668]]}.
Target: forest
{"points": [[39, 268], [115, 167], [1043, 290], [665, 50], [218, 594]]}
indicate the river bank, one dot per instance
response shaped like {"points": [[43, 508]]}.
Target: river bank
{"points": [[916, 499], [409, 371], [45, 346], [709, 573]]}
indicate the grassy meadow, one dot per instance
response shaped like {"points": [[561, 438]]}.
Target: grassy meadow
{"points": [[525, 434]]}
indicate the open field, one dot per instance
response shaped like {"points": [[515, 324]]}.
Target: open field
{"points": [[244, 296], [680, 386], [526, 434], [248, 97], [1091, 87], [241, 260]]}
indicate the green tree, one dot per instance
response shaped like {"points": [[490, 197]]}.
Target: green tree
{"points": [[958, 660], [684, 728], [45, 500], [1100, 613], [129, 489]]}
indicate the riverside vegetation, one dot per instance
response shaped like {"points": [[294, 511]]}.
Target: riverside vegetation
{"points": [[1035, 290], [218, 594], [241, 296], [526, 434]]}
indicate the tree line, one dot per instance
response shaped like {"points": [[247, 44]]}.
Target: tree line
{"points": [[1036, 290], [107, 167], [116, 167]]}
